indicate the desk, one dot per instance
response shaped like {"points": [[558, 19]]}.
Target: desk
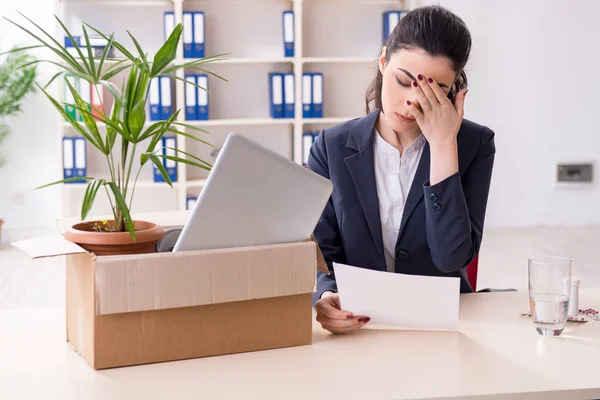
{"points": [[496, 353]]}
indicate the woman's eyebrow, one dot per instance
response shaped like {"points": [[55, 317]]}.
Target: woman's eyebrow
{"points": [[414, 79]]}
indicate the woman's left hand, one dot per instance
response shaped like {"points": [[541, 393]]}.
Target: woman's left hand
{"points": [[437, 117]]}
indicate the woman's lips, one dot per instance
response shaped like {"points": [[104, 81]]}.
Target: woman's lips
{"points": [[403, 118]]}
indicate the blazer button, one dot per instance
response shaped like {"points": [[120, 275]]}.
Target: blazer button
{"points": [[403, 255], [437, 206], [433, 197]]}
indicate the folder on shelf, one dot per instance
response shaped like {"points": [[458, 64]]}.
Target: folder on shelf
{"points": [[307, 104], [288, 33], [170, 165], [202, 96], [70, 46], [166, 106], [97, 100], [307, 141], [69, 100], [155, 106], [191, 99], [80, 158], [276, 94], [317, 95], [188, 34], [169, 27], [159, 150], [289, 95], [198, 24], [390, 20], [68, 158], [85, 92], [98, 45], [190, 202]]}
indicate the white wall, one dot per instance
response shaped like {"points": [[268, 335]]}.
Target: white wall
{"points": [[533, 80], [33, 146]]}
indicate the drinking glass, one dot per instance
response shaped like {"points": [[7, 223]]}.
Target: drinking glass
{"points": [[549, 291]]}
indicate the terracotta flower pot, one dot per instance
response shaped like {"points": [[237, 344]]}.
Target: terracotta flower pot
{"points": [[115, 243]]}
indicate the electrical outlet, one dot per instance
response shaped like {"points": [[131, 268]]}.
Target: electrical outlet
{"points": [[575, 173]]}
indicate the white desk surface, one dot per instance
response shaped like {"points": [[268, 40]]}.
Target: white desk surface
{"points": [[495, 354]]}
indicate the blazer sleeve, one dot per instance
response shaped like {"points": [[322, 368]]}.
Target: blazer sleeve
{"points": [[327, 232], [455, 210]]}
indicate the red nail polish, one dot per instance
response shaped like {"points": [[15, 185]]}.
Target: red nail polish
{"points": [[367, 319], [420, 77], [408, 102], [415, 84], [350, 316], [430, 80], [361, 319]]}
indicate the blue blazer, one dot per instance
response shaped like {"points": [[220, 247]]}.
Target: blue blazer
{"points": [[441, 226]]}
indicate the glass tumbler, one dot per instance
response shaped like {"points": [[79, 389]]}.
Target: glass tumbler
{"points": [[549, 291]]}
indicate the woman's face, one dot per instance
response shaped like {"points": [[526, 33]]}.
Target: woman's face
{"points": [[399, 73]]}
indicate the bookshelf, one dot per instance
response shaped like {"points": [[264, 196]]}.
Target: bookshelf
{"points": [[339, 38]]}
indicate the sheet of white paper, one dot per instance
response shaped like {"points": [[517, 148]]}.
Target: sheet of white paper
{"points": [[399, 300]]}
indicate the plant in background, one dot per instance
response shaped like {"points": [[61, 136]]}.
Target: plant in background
{"points": [[15, 83], [126, 122]]}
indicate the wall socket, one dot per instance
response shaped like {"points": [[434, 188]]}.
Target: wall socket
{"points": [[575, 173]]}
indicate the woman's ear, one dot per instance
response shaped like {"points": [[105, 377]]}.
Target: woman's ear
{"points": [[382, 60]]}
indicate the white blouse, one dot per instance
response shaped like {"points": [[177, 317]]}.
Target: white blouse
{"points": [[394, 176]]}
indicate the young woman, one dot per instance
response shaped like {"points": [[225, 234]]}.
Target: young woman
{"points": [[411, 178]]}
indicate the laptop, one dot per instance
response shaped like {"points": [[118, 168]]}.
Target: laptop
{"points": [[254, 196]]}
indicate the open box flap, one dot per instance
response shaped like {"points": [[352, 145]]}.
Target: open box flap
{"points": [[48, 246], [171, 280]]}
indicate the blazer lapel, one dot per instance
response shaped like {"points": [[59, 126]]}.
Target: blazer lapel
{"points": [[362, 171], [415, 194]]}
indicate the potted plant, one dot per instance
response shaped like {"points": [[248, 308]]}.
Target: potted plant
{"points": [[15, 83], [125, 123]]}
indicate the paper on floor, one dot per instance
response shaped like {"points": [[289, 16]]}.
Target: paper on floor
{"points": [[398, 300]]}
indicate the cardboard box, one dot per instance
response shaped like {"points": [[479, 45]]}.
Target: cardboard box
{"points": [[137, 309]]}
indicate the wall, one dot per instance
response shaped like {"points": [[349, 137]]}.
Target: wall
{"points": [[533, 80], [33, 146]]}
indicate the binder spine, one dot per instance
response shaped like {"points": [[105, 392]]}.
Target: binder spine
{"points": [[166, 97], [288, 34], [188, 34], [276, 94], [307, 103], [289, 95], [199, 32], [68, 158], [80, 159], [202, 96], [160, 145], [317, 95], [191, 99]]}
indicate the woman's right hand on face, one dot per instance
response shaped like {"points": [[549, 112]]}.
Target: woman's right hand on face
{"points": [[333, 319]]}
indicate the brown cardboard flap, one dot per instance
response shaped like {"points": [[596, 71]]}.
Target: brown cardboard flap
{"points": [[48, 246], [321, 263], [183, 279]]}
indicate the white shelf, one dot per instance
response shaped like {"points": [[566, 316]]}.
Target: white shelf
{"points": [[333, 60], [255, 61], [333, 120], [196, 183], [241, 121], [108, 3], [139, 185], [343, 48], [239, 60]]}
